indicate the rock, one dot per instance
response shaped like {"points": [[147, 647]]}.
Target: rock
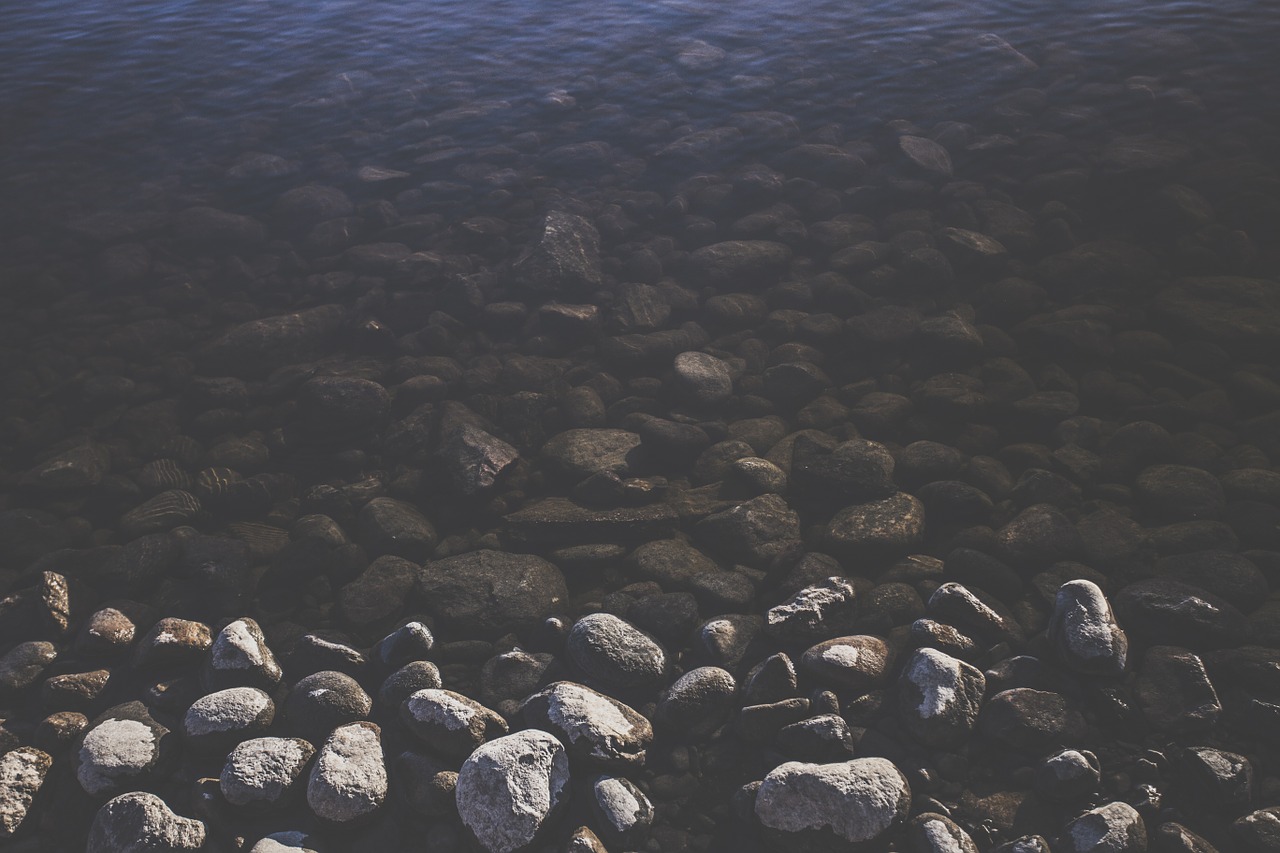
{"points": [[623, 813], [703, 379], [173, 642], [939, 698], [753, 532], [163, 512], [1258, 831], [389, 526], [926, 154], [564, 261], [288, 842], [300, 208], [1180, 493], [407, 680], [593, 727], [412, 641], [513, 675], [72, 470], [264, 772], [207, 228], [1068, 775], [22, 774], [1084, 631], [259, 346], [615, 653], [856, 470], [560, 521], [139, 822], [724, 640], [23, 665], [511, 789], [324, 700], [490, 593], [377, 597], [823, 738], [816, 611], [341, 408], [741, 262], [855, 663], [1174, 693], [974, 610], [1173, 837], [1162, 611], [934, 833], [672, 563], [239, 657], [1113, 828], [1241, 314], [1039, 535], [123, 747], [1031, 720], [576, 454], [1216, 779], [349, 779], [878, 530], [584, 840], [697, 703], [425, 784], [832, 806], [449, 723], [473, 460], [1231, 576], [218, 720]]}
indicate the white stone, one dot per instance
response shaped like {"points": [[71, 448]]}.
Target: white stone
{"points": [[441, 707], [857, 800], [112, 749], [510, 786], [261, 769], [227, 710], [936, 675], [579, 712], [349, 779]]}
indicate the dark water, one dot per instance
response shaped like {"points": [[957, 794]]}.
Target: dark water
{"points": [[1126, 156]]}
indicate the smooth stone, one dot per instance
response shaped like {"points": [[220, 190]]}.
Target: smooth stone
{"points": [[888, 527], [623, 812], [1174, 692], [218, 719], [322, 701], [936, 833], [1084, 631], [697, 703], [615, 653], [848, 803], [1113, 828], [122, 748], [449, 723], [593, 727], [140, 822], [855, 663], [240, 657]]}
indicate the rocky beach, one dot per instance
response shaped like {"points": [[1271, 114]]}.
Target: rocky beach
{"points": [[711, 435]]}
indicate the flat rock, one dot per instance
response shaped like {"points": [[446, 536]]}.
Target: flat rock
{"points": [[576, 454], [926, 154], [754, 532], [489, 593], [259, 346], [741, 262]]}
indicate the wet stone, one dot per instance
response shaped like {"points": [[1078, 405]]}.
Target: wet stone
{"points": [[1032, 720], [939, 698], [936, 833], [593, 727], [1113, 828], [623, 812], [407, 680], [1174, 692], [490, 593], [1084, 630], [741, 262], [815, 611], [564, 260], [877, 529]]}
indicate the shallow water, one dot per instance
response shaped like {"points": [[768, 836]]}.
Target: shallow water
{"points": [[1125, 155]]}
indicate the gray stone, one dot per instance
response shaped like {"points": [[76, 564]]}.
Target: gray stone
{"points": [[935, 833], [623, 812], [848, 803], [1237, 313], [815, 611], [291, 841], [888, 527], [1113, 828], [22, 774], [121, 749], [409, 679], [349, 779], [389, 526], [926, 154], [564, 260], [23, 665], [219, 719], [857, 663], [240, 657], [702, 378], [1032, 720], [593, 727], [754, 532], [1174, 692], [449, 723], [264, 772], [741, 262], [1084, 631], [615, 653], [324, 700], [139, 822], [511, 789], [939, 698], [490, 593], [697, 703], [576, 454], [1068, 775]]}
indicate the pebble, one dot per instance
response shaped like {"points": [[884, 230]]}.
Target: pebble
{"points": [[615, 653], [122, 748], [324, 700], [623, 812], [940, 698], [511, 789], [449, 723], [349, 778], [935, 833], [593, 727], [407, 680], [1084, 630], [240, 657], [855, 663], [264, 771], [697, 703], [139, 822], [22, 775], [856, 801], [1113, 828]]}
